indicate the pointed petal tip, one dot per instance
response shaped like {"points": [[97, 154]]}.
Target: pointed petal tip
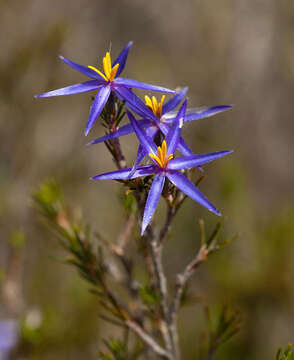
{"points": [[227, 152], [217, 212], [143, 229], [39, 96], [180, 88], [214, 210], [225, 107], [96, 177]]}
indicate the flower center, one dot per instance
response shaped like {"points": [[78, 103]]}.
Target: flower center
{"points": [[161, 158], [154, 105], [109, 71]]}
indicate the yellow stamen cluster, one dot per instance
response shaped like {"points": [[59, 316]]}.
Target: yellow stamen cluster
{"points": [[161, 158], [154, 105], [109, 71]]}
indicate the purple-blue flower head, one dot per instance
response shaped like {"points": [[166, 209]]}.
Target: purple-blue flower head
{"points": [[105, 83], [165, 165], [9, 335], [158, 116]]}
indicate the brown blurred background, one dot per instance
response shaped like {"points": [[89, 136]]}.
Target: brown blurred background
{"points": [[227, 52]]}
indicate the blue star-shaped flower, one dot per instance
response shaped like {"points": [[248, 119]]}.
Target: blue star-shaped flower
{"points": [[165, 166], [106, 83], [158, 116]]}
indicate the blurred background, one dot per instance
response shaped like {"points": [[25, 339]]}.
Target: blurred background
{"points": [[227, 52]]}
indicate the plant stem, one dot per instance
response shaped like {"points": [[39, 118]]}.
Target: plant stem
{"points": [[149, 340], [156, 255], [181, 282]]}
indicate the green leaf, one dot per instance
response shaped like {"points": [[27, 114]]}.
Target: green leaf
{"points": [[287, 354], [116, 350], [148, 295], [222, 326]]}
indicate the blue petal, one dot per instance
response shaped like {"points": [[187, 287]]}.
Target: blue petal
{"points": [[184, 148], [174, 101], [204, 112], [187, 162], [151, 132], [197, 113], [130, 83], [144, 139], [97, 106], [73, 89], [124, 130], [173, 135], [82, 69], [122, 58], [134, 102], [185, 185], [124, 173], [9, 335], [152, 199], [140, 156], [164, 128]]}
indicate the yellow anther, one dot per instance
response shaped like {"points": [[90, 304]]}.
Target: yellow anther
{"points": [[156, 158], [161, 158], [108, 63], [160, 154], [148, 101], [109, 71], [98, 72], [113, 72], [154, 105]]}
